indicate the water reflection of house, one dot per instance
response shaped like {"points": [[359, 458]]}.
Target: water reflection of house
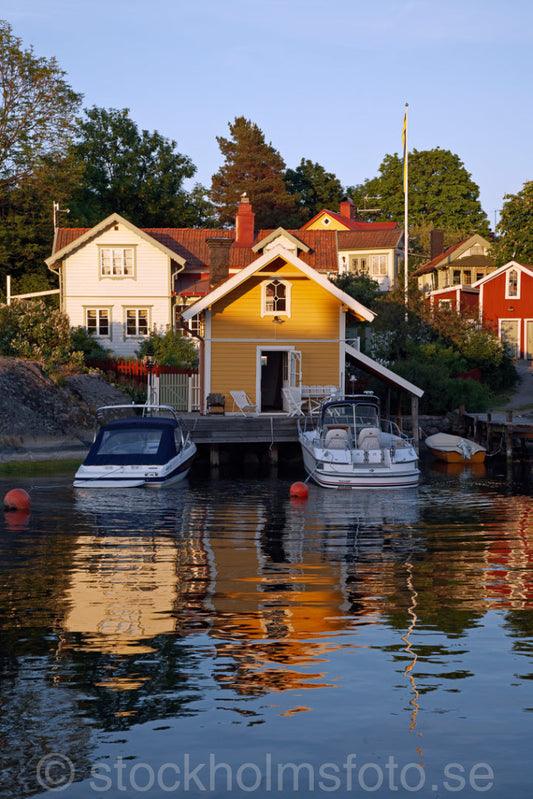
{"points": [[509, 558]]}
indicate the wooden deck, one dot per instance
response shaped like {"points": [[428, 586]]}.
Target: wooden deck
{"points": [[232, 429]]}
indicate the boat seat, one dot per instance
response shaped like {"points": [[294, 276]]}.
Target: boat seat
{"points": [[369, 438], [337, 438]]}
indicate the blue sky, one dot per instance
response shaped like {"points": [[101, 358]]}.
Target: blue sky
{"points": [[324, 79]]}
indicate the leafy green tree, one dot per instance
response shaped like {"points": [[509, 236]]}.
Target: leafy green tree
{"points": [[256, 168], [26, 223], [169, 348], [314, 188], [515, 228], [37, 112], [441, 192], [361, 287], [132, 172], [442, 195]]}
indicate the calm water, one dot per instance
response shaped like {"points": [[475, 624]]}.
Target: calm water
{"points": [[219, 638]]}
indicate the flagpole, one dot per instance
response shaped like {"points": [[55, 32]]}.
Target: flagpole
{"points": [[405, 205]]}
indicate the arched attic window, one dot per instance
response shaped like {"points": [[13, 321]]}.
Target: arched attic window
{"points": [[512, 288], [275, 298]]}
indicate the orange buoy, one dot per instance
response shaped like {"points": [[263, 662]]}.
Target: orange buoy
{"points": [[17, 499], [299, 490]]}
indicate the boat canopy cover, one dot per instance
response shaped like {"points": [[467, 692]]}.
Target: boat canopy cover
{"points": [[142, 441], [364, 406]]}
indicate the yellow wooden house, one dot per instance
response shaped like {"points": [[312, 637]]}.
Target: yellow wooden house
{"points": [[276, 324]]}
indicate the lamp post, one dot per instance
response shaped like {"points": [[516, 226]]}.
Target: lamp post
{"points": [[149, 365]]}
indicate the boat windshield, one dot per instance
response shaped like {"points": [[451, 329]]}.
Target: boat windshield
{"points": [[351, 414], [132, 442]]}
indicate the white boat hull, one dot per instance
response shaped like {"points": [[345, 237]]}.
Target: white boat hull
{"points": [[136, 476], [336, 469]]}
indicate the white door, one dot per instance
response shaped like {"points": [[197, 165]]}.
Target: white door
{"points": [[509, 333], [529, 339], [294, 368]]}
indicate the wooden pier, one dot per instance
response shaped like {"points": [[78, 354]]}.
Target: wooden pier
{"points": [[216, 430], [506, 431]]}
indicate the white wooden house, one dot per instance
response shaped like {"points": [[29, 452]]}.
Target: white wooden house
{"points": [[116, 281]]}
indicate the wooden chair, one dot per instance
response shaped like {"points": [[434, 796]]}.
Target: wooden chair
{"points": [[243, 403]]}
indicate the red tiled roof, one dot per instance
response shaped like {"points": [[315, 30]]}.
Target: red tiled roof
{"points": [[191, 245]]}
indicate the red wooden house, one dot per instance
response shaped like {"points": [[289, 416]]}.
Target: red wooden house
{"points": [[506, 306]]}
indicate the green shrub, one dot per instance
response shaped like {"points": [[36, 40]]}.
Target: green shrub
{"points": [[85, 342], [33, 330], [169, 348]]}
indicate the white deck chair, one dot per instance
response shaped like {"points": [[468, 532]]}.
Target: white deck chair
{"points": [[243, 403], [294, 402]]}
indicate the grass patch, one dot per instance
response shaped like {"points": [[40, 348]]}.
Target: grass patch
{"points": [[37, 467]]}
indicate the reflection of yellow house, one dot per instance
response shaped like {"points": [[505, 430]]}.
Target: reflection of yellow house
{"points": [[275, 324], [126, 597]]}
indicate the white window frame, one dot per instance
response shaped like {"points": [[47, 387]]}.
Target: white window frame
{"points": [[378, 265], [508, 295], [100, 313], [136, 312], [119, 261], [264, 299]]}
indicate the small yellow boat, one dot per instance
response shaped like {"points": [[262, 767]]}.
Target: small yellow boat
{"points": [[455, 449]]}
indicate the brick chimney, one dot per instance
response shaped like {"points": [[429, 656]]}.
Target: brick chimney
{"points": [[244, 222], [436, 243], [347, 208], [218, 260]]}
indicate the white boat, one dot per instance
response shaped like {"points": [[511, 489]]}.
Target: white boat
{"points": [[148, 449], [352, 446], [454, 449]]}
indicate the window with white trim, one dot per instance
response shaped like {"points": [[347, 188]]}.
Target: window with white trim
{"points": [[275, 297], [136, 321], [358, 265], [116, 261], [512, 284], [97, 321], [378, 265]]}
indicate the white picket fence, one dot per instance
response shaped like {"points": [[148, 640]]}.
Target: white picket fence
{"points": [[180, 391]]}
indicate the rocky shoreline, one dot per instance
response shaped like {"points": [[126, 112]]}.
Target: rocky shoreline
{"points": [[41, 419]]}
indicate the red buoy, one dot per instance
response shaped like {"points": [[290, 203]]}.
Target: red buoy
{"points": [[299, 490], [17, 499]]}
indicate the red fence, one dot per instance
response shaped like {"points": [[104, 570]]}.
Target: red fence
{"points": [[137, 370]]}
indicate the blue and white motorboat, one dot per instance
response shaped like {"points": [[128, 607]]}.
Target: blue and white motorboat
{"points": [[149, 449], [351, 446]]}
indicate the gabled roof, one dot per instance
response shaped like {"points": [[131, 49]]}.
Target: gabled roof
{"points": [[350, 224], [66, 245], [263, 242], [189, 248], [444, 259], [271, 255], [497, 272]]}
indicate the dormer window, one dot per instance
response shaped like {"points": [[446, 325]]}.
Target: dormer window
{"points": [[512, 287], [275, 298]]}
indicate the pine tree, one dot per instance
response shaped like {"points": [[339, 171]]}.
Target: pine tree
{"points": [[255, 167]]}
